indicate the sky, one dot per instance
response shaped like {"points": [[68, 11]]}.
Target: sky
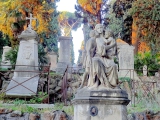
{"points": [[68, 5]]}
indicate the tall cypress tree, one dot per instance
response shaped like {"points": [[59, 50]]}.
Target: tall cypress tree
{"points": [[50, 40]]}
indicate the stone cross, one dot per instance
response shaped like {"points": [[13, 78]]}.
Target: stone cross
{"points": [[30, 22]]}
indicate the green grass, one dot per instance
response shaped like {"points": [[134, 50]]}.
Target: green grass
{"points": [[19, 105], [143, 106], [68, 109]]}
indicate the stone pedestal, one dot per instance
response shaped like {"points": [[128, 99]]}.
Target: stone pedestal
{"points": [[5, 63], [64, 59], [25, 83], [100, 105]]}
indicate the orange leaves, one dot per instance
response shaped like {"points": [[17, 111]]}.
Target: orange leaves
{"points": [[92, 6], [10, 8]]}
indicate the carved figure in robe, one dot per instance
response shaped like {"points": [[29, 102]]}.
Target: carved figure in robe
{"points": [[104, 70], [90, 52]]}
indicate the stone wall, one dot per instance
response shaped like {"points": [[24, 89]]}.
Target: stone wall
{"points": [[6, 114]]}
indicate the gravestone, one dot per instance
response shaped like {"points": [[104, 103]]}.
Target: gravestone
{"points": [[64, 59], [53, 60], [145, 70], [5, 63], [25, 83], [126, 61]]}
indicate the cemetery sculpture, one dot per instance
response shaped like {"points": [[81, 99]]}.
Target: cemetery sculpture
{"points": [[99, 60], [101, 98]]}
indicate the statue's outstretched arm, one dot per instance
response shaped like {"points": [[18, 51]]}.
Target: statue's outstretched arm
{"points": [[110, 46]]}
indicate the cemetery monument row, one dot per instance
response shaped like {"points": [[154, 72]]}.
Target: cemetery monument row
{"points": [[25, 83], [101, 98]]}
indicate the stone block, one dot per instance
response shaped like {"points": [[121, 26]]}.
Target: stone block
{"points": [[100, 105]]}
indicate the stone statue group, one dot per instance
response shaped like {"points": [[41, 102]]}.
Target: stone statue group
{"points": [[98, 60]]}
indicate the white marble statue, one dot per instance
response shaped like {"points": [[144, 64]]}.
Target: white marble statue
{"points": [[90, 52], [103, 72]]}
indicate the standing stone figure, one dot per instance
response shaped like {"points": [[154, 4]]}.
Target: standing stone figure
{"points": [[90, 52]]}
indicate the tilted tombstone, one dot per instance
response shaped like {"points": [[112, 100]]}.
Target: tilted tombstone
{"points": [[25, 83]]}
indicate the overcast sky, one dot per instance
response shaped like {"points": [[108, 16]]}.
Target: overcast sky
{"points": [[68, 5]]}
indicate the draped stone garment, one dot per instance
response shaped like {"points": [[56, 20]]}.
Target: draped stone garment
{"points": [[90, 52], [103, 65]]}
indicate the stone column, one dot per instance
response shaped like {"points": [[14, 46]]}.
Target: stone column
{"points": [[28, 59], [100, 105], [64, 54]]}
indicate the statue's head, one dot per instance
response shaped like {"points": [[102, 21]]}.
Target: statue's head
{"points": [[108, 33], [99, 28]]}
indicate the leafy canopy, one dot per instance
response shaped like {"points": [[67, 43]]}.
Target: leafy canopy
{"points": [[68, 22], [14, 12]]}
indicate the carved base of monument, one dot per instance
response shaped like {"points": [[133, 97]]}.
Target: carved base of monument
{"points": [[100, 105], [27, 87]]}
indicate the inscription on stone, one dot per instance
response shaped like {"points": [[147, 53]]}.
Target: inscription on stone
{"points": [[27, 51]]}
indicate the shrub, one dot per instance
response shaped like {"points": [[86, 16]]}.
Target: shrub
{"points": [[151, 60], [12, 55]]}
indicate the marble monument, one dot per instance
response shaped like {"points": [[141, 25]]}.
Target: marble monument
{"points": [[24, 83], [101, 98]]}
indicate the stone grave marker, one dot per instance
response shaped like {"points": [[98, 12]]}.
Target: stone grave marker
{"points": [[5, 62], [53, 60], [126, 61], [25, 83], [145, 70]]}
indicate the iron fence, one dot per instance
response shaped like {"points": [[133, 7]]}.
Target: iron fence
{"points": [[138, 86], [45, 70]]}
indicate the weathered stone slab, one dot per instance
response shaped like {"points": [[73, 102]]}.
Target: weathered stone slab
{"points": [[126, 61], [29, 87], [105, 112]]}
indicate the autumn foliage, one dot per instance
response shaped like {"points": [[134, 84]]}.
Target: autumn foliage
{"points": [[14, 12], [147, 24], [92, 6]]}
